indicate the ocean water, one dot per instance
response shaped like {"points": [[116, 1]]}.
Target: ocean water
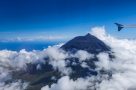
{"points": [[29, 46]]}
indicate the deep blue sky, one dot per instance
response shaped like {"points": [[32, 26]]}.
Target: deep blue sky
{"points": [[64, 18]]}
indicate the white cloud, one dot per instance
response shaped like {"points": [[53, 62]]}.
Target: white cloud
{"points": [[65, 83], [104, 61], [13, 86], [55, 53], [19, 59], [33, 38], [123, 66], [83, 55]]}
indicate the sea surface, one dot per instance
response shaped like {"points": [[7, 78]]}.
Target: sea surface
{"points": [[29, 46]]}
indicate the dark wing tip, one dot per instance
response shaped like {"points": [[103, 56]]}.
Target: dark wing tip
{"points": [[119, 26]]}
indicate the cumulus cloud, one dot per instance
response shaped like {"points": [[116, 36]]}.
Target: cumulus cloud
{"points": [[123, 66], [83, 55], [13, 59], [65, 83], [55, 53], [104, 61]]}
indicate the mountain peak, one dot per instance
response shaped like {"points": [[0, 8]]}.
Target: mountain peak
{"points": [[88, 35], [88, 43]]}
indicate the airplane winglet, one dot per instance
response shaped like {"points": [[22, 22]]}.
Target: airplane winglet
{"points": [[120, 26]]}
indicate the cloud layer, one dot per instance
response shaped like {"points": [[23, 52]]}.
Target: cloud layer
{"points": [[120, 71]]}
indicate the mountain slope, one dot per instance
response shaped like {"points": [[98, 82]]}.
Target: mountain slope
{"points": [[88, 43]]}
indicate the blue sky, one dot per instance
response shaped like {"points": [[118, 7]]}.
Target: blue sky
{"points": [[62, 19]]}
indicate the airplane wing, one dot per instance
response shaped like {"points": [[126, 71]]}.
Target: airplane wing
{"points": [[120, 26]]}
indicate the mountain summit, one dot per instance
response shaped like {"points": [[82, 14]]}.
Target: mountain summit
{"points": [[88, 43]]}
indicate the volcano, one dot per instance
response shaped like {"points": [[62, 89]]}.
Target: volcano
{"points": [[42, 77], [88, 43]]}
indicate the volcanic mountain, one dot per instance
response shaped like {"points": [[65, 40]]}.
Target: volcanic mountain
{"points": [[42, 77], [88, 43]]}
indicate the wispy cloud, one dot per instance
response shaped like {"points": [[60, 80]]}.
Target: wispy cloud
{"points": [[31, 36], [34, 38]]}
